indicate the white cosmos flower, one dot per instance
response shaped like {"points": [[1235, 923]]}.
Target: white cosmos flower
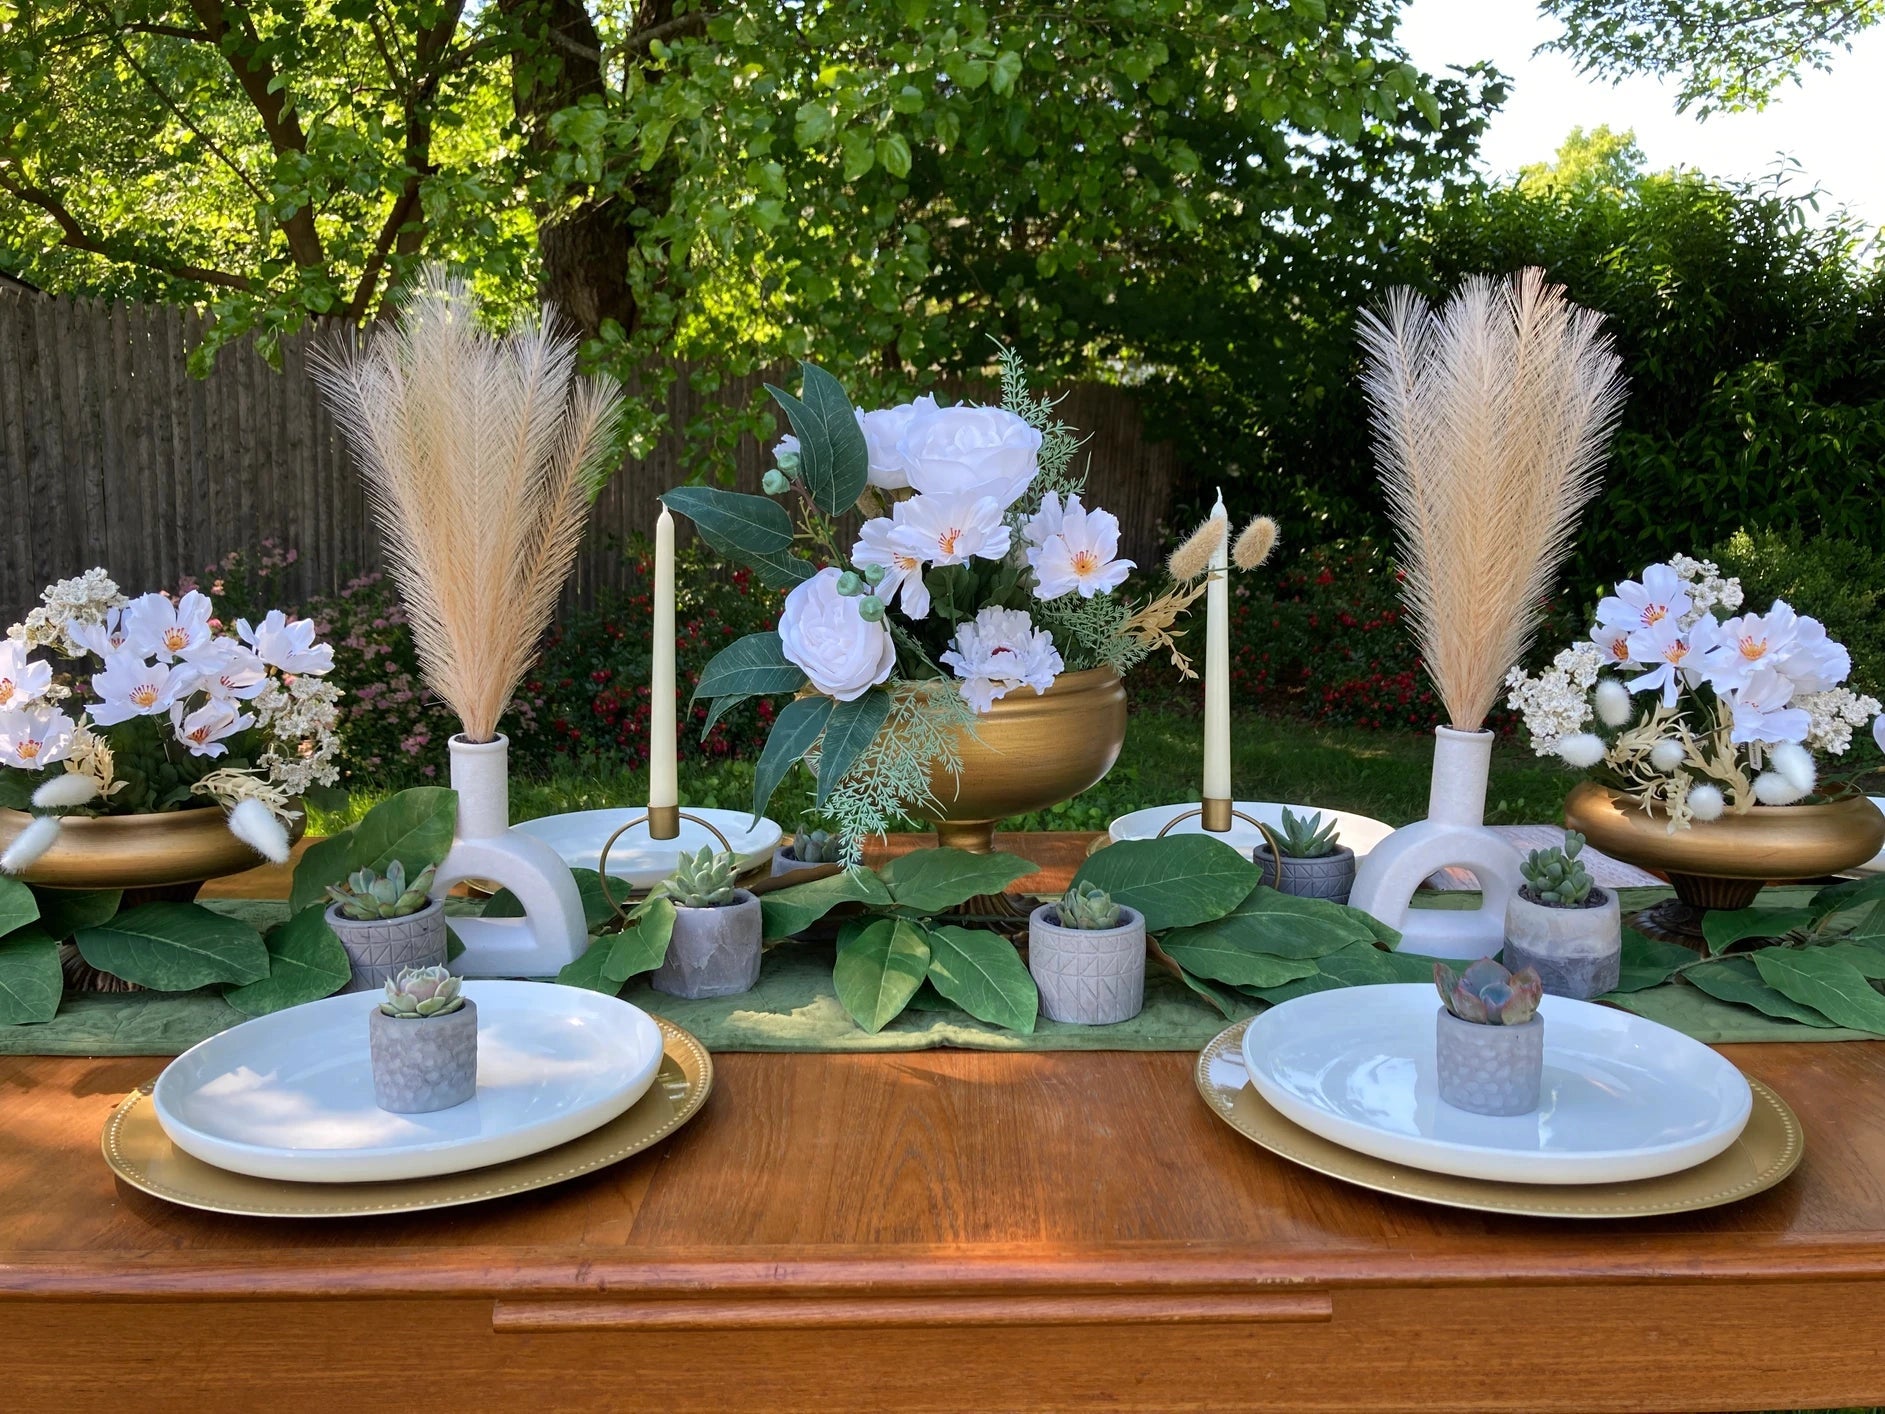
{"points": [[1815, 662], [1635, 606], [1750, 644], [842, 652], [100, 637], [154, 626], [1072, 548], [130, 687], [998, 651], [949, 530], [286, 643], [1613, 644], [21, 679], [903, 571], [203, 730], [1674, 657], [224, 668], [971, 451], [883, 430], [30, 739], [1761, 710]]}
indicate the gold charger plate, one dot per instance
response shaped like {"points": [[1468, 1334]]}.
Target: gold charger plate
{"points": [[140, 1153], [1768, 1150]]}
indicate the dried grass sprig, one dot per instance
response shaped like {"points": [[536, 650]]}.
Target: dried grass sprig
{"points": [[481, 455], [1151, 626], [1193, 558], [1490, 417], [1255, 543]]}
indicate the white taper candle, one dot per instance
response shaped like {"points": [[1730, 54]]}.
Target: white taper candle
{"points": [[662, 785], [1217, 666]]}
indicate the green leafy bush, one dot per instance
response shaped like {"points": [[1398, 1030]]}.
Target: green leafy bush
{"points": [[1839, 582]]}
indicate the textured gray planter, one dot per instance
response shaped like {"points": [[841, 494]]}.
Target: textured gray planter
{"points": [[424, 1063], [1490, 1070], [378, 947], [1328, 876], [1089, 976], [714, 951], [784, 863], [1578, 952]]}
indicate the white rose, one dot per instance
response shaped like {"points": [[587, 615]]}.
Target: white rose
{"points": [[839, 650], [973, 452], [883, 430]]}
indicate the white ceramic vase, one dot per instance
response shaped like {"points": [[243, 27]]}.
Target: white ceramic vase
{"points": [[551, 934], [1454, 834]]}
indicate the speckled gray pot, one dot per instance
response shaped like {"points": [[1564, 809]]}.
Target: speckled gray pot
{"points": [[714, 951], [377, 948], [1089, 976], [1328, 876], [1578, 952], [426, 1063], [783, 862], [1490, 1070]]}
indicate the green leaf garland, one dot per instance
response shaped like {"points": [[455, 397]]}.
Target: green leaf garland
{"points": [[1175, 882], [31, 980], [936, 880], [879, 969], [982, 973], [305, 963], [175, 947]]}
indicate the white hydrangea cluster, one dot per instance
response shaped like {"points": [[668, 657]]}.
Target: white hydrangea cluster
{"points": [[1834, 714], [1556, 703], [85, 599], [1708, 588], [301, 714]]}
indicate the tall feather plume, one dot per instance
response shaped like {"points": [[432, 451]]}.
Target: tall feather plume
{"points": [[481, 456], [1490, 419]]}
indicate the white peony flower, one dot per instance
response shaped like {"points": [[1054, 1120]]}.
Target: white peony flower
{"points": [[156, 627], [34, 738], [1581, 749], [286, 643], [1073, 549], [903, 571], [130, 687], [256, 826], [1761, 711], [1795, 762], [843, 653], [1706, 802], [21, 679], [224, 668], [949, 530], [1614, 706], [999, 651], [972, 452], [1772, 788], [29, 844], [883, 430], [63, 792], [1635, 606], [1666, 755], [203, 730]]}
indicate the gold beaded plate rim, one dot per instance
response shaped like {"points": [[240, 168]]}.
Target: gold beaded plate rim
{"points": [[1768, 1150], [139, 1152]]}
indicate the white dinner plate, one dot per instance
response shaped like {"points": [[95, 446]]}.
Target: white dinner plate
{"points": [[290, 1095], [1360, 833], [1624, 1098], [1876, 864], [640, 859]]}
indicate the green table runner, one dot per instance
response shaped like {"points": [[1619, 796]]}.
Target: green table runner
{"points": [[794, 1009]]}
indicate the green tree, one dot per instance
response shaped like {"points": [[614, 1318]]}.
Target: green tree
{"points": [[1598, 159]]}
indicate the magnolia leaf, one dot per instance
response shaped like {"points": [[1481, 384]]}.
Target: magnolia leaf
{"points": [[175, 947], [719, 708], [1228, 1004], [1867, 957], [586, 971], [1736, 979], [793, 910], [62, 912], [879, 969], [305, 963], [1648, 963], [1725, 927], [1830, 985], [415, 827], [800, 724], [834, 462], [1357, 965], [1282, 925], [983, 974], [931, 880], [1837, 898], [642, 946], [322, 863], [851, 728], [1223, 961], [31, 980], [18, 906], [751, 666], [1175, 882], [752, 529]]}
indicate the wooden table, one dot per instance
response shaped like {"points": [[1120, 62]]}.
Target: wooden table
{"points": [[944, 1231]]}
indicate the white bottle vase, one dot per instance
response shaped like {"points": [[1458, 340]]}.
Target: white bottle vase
{"points": [[1453, 834], [551, 934]]}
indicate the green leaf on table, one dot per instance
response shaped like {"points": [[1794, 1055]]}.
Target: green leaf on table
{"points": [[322, 863], [596, 910], [879, 969], [834, 462], [305, 963], [454, 945], [932, 880], [1228, 1003], [1867, 957], [1722, 928], [850, 729], [18, 906], [642, 945], [754, 530], [1357, 965], [982, 973], [62, 912], [1736, 979], [175, 947], [1830, 985], [1282, 925], [1222, 960], [415, 827], [800, 723], [752, 666], [1175, 882], [586, 971], [793, 910], [31, 980], [1649, 963], [1851, 893]]}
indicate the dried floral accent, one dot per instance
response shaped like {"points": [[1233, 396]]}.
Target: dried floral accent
{"points": [[1151, 626], [1193, 558], [1255, 543]]}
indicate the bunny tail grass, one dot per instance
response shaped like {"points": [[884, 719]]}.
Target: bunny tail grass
{"points": [[65, 791], [1193, 558], [256, 826], [1255, 543], [29, 844]]}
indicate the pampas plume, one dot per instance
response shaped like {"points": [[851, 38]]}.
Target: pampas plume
{"points": [[1490, 418], [256, 826], [29, 844], [481, 455], [1254, 543], [65, 791], [1193, 558]]}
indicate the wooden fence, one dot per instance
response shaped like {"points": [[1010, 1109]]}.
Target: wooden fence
{"points": [[112, 454]]}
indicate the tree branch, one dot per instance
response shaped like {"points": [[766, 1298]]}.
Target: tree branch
{"points": [[74, 234]]}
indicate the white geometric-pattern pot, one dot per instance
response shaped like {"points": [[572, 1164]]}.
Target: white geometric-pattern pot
{"points": [[424, 1063], [1088, 976], [1490, 1070], [713, 952], [1327, 876], [1577, 952], [378, 947]]}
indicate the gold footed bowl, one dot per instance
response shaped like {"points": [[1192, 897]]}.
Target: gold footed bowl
{"points": [[1723, 863], [161, 855]]}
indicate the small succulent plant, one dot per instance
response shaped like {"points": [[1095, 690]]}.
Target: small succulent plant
{"points": [[420, 992], [1306, 837], [1486, 993], [704, 880], [1087, 907], [1556, 877], [366, 895], [815, 846]]}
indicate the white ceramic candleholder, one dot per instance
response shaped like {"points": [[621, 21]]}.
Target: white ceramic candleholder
{"points": [[551, 934], [1454, 834]]}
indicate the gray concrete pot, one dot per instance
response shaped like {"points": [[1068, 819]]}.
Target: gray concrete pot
{"points": [[1329, 876], [1088, 976], [378, 947], [424, 1063], [783, 862], [1490, 1070], [1578, 952], [714, 952]]}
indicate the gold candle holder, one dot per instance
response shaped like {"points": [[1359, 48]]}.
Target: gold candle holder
{"points": [[656, 817], [664, 822]]}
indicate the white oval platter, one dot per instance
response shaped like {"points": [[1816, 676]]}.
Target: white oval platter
{"points": [[1360, 833], [290, 1095], [641, 860], [1624, 1098]]}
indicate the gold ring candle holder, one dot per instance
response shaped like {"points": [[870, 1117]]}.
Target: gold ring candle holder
{"points": [[656, 818], [1208, 811]]}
